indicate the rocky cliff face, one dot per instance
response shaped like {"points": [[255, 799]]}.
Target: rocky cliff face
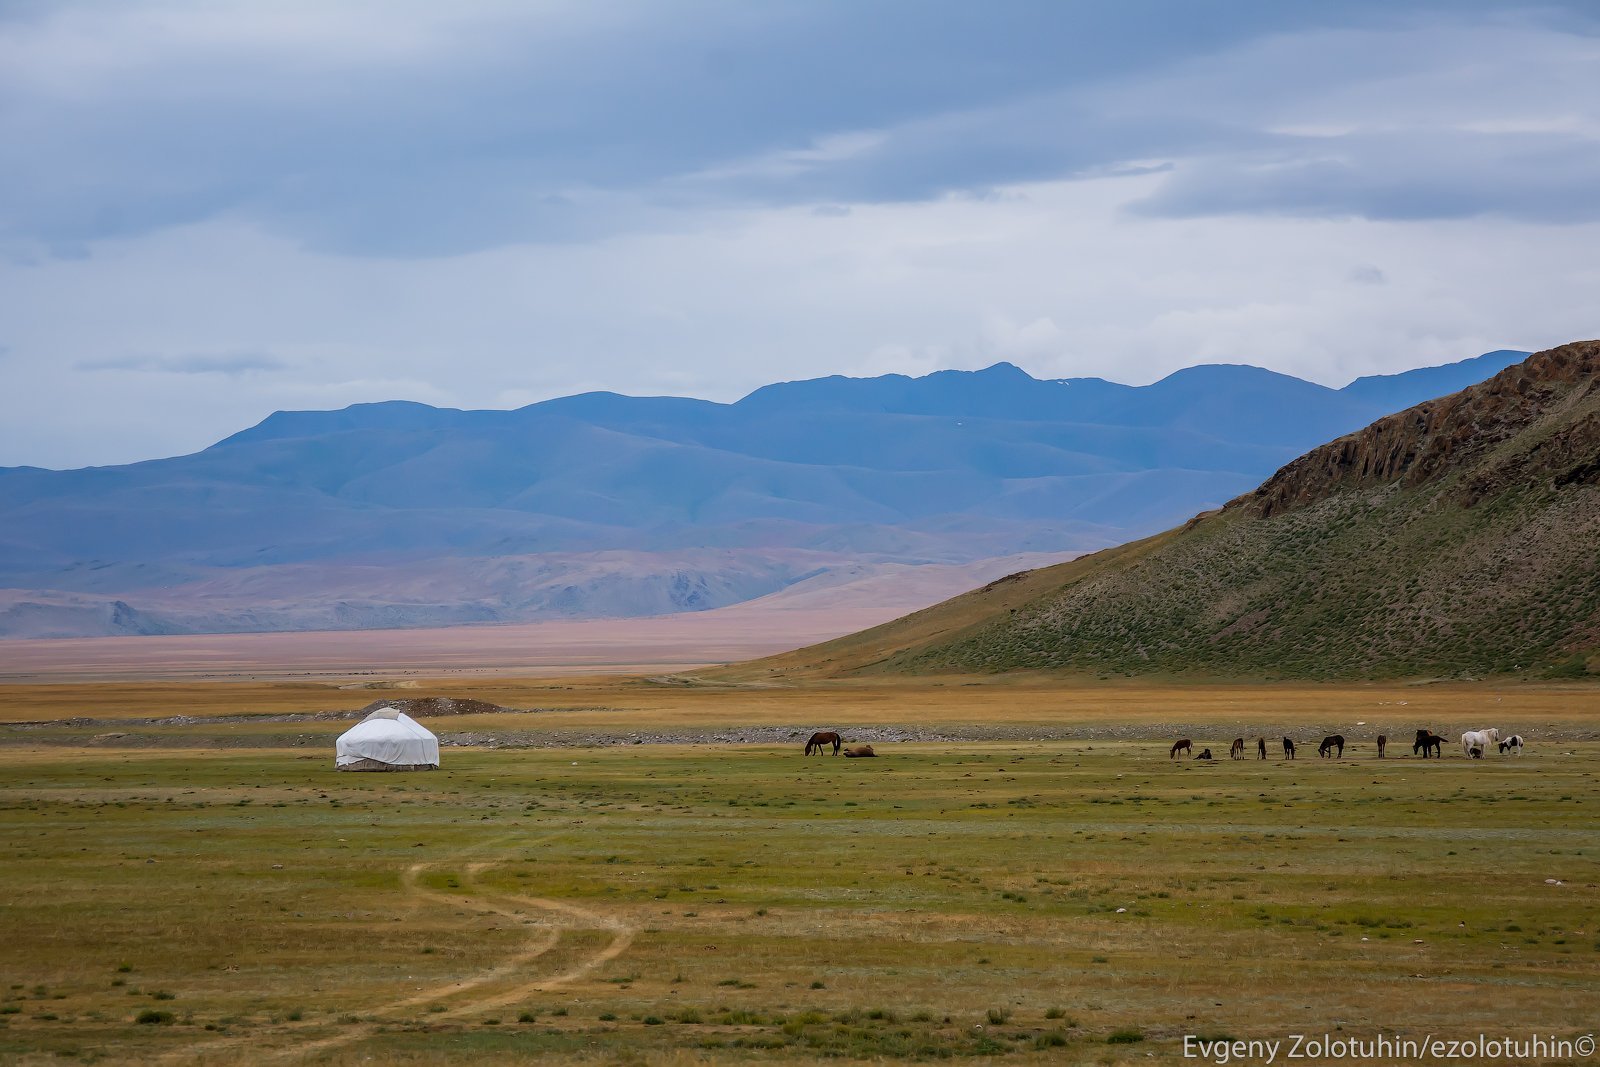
{"points": [[1544, 407]]}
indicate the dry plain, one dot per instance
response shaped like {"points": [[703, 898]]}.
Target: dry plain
{"points": [[841, 601], [646, 869]]}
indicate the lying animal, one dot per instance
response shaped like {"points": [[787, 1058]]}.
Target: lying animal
{"points": [[1204, 754], [858, 751]]}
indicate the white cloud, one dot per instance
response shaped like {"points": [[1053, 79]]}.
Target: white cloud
{"points": [[1053, 278], [302, 205]]}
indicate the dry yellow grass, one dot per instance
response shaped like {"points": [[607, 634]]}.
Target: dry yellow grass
{"points": [[631, 703]]}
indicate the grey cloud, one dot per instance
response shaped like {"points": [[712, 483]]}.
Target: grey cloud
{"points": [[1367, 275], [1037, 138], [231, 364], [1416, 174], [519, 124]]}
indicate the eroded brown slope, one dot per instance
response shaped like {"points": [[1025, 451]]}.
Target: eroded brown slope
{"points": [[1531, 421]]}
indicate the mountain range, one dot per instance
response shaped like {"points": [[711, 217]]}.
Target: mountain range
{"points": [[400, 514], [1458, 538]]}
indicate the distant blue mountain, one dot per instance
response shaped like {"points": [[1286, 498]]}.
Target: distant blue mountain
{"points": [[1395, 392], [948, 467]]}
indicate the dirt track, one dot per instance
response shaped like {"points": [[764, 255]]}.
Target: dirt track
{"points": [[511, 981]]}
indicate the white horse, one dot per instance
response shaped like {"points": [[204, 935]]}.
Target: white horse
{"points": [[1480, 739], [1512, 744]]}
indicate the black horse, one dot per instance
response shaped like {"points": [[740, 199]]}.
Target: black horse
{"points": [[820, 741], [1427, 741], [1288, 749], [1334, 741]]}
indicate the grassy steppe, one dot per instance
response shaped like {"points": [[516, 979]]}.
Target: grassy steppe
{"points": [[1086, 901]]}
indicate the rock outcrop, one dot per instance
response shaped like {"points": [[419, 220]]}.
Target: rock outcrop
{"points": [[1463, 434]]}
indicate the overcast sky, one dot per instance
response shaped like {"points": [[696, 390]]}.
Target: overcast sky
{"points": [[213, 210]]}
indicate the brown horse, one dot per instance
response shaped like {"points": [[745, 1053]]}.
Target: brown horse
{"points": [[1181, 746], [858, 752], [822, 740], [1261, 748], [1383, 741], [1331, 742], [1237, 751]]}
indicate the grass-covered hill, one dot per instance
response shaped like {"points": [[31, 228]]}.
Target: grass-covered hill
{"points": [[1460, 537]]}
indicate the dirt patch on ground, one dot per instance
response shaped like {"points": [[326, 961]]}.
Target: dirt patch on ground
{"points": [[429, 707]]}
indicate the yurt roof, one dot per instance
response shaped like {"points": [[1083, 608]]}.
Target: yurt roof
{"points": [[388, 736]]}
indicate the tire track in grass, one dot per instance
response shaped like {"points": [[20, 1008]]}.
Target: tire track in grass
{"points": [[567, 916], [622, 938]]}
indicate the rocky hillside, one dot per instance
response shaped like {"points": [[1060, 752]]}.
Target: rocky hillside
{"points": [[1457, 538], [1532, 422]]}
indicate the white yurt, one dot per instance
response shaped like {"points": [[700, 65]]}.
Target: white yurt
{"points": [[388, 740]]}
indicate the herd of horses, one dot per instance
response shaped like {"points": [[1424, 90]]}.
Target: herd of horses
{"points": [[1474, 743]]}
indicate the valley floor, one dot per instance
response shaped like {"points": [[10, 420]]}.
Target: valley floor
{"points": [[663, 643], [1052, 888]]}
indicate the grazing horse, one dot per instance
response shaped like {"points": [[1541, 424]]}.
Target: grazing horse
{"points": [[1204, 754], [1331, 742], [1512, 744], [822, 740], [1288, 749], [1237, 751], [1181, 746], [1383, 741], [858, 752], [1479, 739], [1427, 741], [1261, 748]]}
